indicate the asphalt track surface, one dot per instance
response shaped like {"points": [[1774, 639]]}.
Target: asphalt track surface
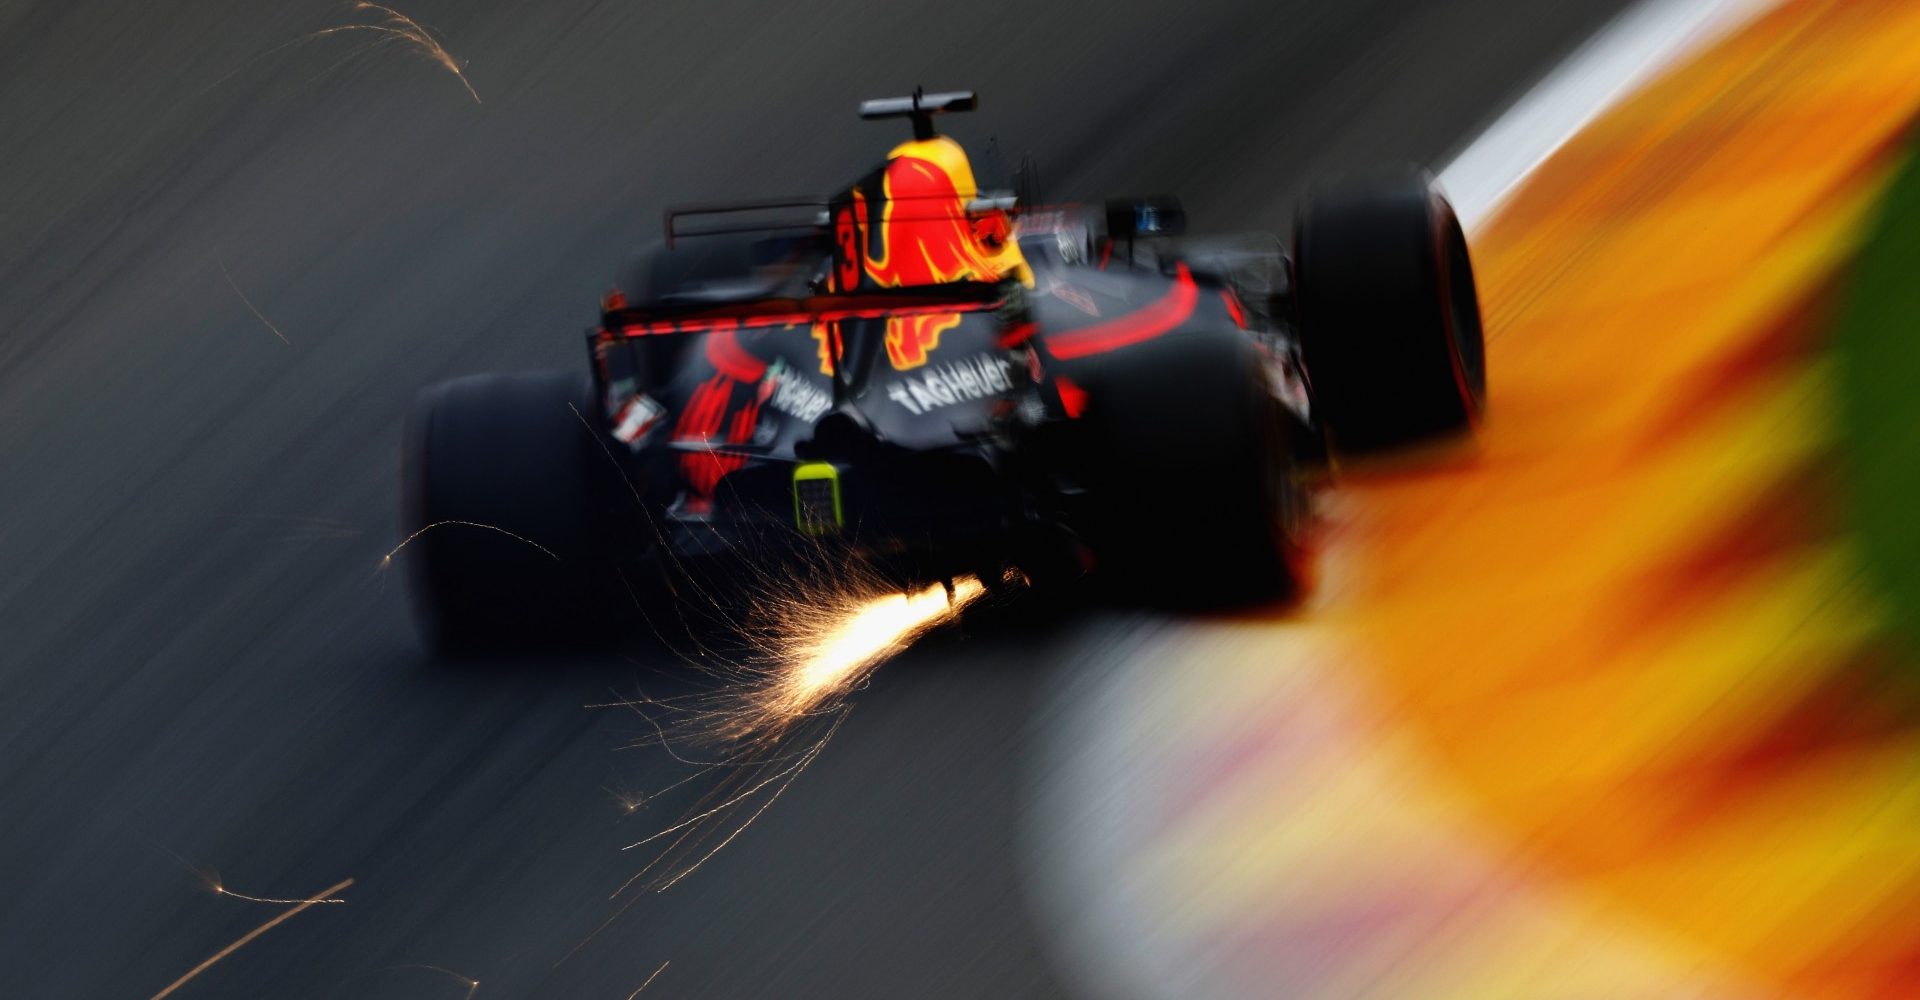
{"points": [[200, 665]]}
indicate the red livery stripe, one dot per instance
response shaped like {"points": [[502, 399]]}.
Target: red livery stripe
{"points": [[731, 359], [1145, 323]]}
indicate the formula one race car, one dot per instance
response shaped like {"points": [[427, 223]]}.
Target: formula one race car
{"points": [[925, 380]]}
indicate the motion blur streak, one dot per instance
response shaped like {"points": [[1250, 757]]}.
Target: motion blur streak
{"points": [[1604, 708]]}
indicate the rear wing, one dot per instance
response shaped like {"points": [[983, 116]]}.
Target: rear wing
{"points": [[708, 317], [764, 215], [920, 107], [792, 215], [854, 349]]}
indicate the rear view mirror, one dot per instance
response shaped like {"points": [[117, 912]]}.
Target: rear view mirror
{"points": [[1158, 215]]}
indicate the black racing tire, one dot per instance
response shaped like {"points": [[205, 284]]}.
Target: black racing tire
{"points": [[1389, 318], [501, 507], [1190, 476]]}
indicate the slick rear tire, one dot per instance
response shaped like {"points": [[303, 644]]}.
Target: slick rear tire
{"points": [[1389, 318], [500, 503], [1189, 474]]}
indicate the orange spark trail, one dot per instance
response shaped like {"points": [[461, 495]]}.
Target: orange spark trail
{"points": [[249, 936], [404, 542], [814, 650], [221, 890], [650, 979], [401, 26], [472, 984], [835, 652], [398, 27], [722, 807], [757, 813]]}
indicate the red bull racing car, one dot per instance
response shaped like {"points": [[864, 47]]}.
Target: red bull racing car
{"points": [[914, 379]]}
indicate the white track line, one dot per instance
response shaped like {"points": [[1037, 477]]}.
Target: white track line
{"points": [[1623, 56]]}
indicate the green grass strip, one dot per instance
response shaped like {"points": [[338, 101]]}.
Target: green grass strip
{"points": [[1879, 352]]}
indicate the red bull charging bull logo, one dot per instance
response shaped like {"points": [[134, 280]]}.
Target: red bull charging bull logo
{"points": [[925, 236]]}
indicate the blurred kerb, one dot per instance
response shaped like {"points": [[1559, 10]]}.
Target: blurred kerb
{"points": [[1626, 54]]}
